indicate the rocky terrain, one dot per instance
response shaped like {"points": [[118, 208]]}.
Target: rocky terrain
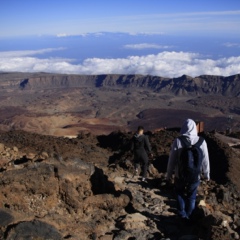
{"points": [[84, 188], [66, 170], [64, 105]]}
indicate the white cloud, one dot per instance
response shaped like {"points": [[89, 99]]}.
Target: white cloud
{"points": [[100, 34], [141, 46], [229, 44], [62, 35], [11, 54], [168, 64], [94, 34], [145, 33]]}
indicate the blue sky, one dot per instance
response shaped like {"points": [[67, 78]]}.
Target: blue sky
{"points": [[30, 17], [148, 37]]}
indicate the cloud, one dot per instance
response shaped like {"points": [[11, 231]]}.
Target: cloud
{"points": [[87, 34], [11, 54], [229, 44], [146, 33], [168, 64], [62, 35], [141, 46]]}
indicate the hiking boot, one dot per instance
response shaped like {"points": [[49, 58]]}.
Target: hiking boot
{"points": [[144, 180]]}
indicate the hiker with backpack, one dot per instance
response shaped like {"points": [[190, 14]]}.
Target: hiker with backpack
{"points": [[188, 159], [141, 148]]}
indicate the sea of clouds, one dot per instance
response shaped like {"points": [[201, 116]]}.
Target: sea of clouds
{"points": [[165, 63]]}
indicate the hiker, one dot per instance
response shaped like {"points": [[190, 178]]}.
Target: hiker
{"points": [[188, 159], [141, 148]]}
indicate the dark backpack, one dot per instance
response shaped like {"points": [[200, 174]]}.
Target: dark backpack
{"points": [[190, 161]]}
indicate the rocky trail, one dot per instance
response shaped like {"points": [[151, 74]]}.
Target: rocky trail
{"points": [[84, 188]]}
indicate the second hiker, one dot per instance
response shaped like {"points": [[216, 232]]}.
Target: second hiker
{"points": [[141, 148]]}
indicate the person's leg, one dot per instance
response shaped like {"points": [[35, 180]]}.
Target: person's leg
{"points": [[136, 161], [191, 198], [145, 165], [180, 191]]}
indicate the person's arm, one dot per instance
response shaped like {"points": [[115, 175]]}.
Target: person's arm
{"points": [[205, 162], [172, 159], [147, 144]]}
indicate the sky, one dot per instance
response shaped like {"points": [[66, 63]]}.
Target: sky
{"points": [[157, 37]]}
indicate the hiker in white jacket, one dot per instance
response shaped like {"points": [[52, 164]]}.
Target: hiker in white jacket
{"points": [[186, 193]]}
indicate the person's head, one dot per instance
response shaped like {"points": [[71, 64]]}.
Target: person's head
{"points": [[140, 130], [189, 128]]}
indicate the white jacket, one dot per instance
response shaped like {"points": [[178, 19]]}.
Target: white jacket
{"points": [[189, 129]]}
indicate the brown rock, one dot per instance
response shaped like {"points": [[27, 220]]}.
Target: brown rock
{"points": [[31, 156], [8, 149], [30, 191], [4, 161], [134, 221], [7, 154], [15, 149], [44, 155], [2, 147], [106, 202]]}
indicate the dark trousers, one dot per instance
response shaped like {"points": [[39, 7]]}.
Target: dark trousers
{"points": [[186, 197], [141, 157]]}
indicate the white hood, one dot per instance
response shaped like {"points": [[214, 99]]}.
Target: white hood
{"points": [[189, 128]]}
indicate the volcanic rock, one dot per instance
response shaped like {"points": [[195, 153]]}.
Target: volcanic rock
{"points": [[34, 230], [2, 147], [134, 221], [43, 155], [85, 189]]}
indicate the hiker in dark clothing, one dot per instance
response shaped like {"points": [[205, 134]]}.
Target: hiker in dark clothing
{"points": [[141, 147]]}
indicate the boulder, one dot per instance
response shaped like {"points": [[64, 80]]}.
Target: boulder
{"points": [[5, 218], [33, 230], [134, 221]]}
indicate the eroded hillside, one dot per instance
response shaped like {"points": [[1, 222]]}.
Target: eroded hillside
{"points": [[184, 85]]}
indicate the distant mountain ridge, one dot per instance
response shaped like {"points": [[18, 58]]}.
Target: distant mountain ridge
{"points": [[184, 85]]}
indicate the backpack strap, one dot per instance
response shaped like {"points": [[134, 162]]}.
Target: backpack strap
{"points": [[185, 141], [199, 142]]}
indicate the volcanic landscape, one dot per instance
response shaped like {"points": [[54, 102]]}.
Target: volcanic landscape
{"points": [[66, 168], [64, 105]]}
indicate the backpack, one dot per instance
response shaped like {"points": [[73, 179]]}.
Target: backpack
{"points": [[190, 161]]}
